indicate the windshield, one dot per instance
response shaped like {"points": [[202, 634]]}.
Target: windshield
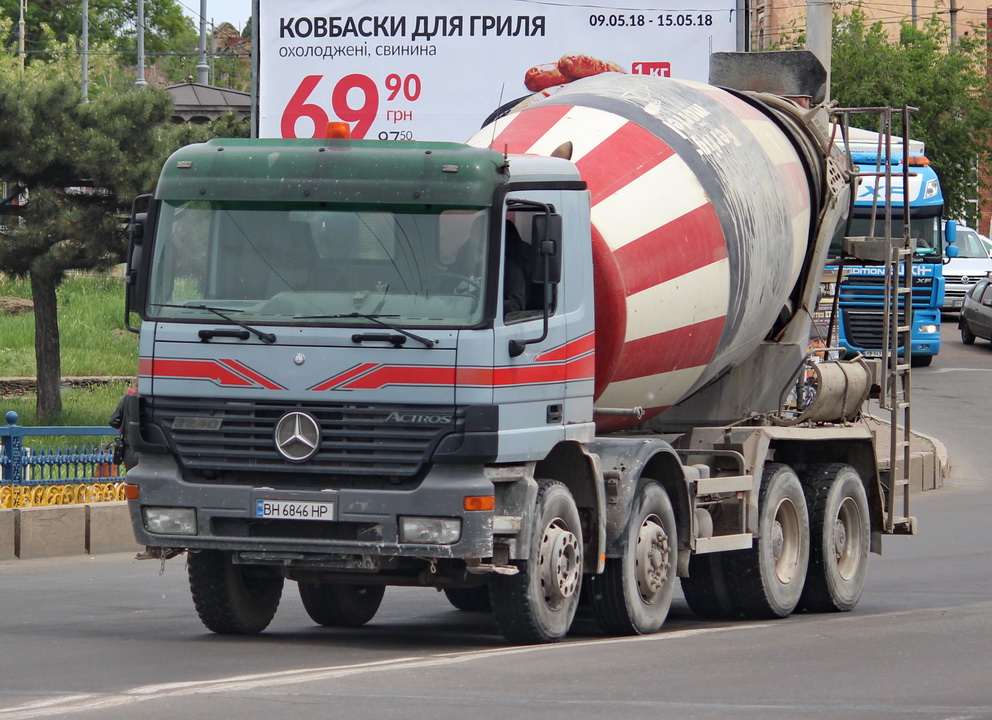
{"points": [[299, 264], [925, 230]]}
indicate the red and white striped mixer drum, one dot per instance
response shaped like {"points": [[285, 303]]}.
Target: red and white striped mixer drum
{"points": [[700, 224]]}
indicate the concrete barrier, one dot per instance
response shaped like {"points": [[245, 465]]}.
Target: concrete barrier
{"points": [[109, 529], [50, 531], [7, 535], [59, 530]]}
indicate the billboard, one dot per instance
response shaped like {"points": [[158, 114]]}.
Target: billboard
{"points": [[437, 72]]}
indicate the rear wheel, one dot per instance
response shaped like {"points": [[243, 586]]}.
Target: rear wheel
{"points": [[840, 539], [705, 588], [336, 605], [634, 593], [233, 599], [537, 605], [767, 580], [475, 599], [967, 336]]}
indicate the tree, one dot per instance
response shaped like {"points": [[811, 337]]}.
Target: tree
{"points": [[947, 85], [112, 22], [81, 164]]}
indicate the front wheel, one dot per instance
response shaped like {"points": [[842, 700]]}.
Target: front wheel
{"points": [[338, 605], [634, 593], [537, 605], [233, 599], [920, 360], [967, 336], [474, 599], [767, 580], [841, 537]]}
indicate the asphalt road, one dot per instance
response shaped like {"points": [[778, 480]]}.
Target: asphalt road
{"points": [[109, 637]]}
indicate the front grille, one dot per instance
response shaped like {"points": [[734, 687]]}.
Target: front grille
{"points": [[864, 329], [221, 436], [868, 290]]}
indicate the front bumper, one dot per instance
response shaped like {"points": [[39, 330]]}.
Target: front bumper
{"points": [[364, 531]]}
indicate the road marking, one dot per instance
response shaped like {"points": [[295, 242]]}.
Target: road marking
{"points": [[68, 704], [948, 370]]}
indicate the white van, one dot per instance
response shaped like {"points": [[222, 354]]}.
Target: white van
{"points": [[971, 265]]}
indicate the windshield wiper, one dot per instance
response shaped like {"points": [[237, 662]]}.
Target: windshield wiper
{"points": [[265, 337], [374, 318]]}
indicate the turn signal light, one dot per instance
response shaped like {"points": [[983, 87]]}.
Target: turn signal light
{"points": [[130, 491], [479, 502]]}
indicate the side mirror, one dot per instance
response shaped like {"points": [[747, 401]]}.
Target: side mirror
{"points": [[546, 233], [950, 232], [952, 251], [134, 289]]}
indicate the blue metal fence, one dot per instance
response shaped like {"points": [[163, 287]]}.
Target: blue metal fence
{"points": [[39, 464]]}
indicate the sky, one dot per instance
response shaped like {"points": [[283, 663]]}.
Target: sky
{"points": [[236, 12]]}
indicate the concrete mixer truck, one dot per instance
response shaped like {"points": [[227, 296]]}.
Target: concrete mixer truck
{"points": [[547, 367]]}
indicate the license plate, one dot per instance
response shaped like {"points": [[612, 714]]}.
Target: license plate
{"points": [[290, 510], [872, 353]]}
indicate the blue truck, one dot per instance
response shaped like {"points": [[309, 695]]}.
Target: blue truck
{"points": [[862, 289]]}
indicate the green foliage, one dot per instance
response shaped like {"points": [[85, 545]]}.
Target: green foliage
{"points": [[948, 86], [82, 406], [112, 22]]}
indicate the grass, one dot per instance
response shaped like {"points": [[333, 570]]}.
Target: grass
{"points": [[93, 342]]}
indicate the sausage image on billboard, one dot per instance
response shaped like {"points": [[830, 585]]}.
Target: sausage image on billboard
{"points": [[567, 69]]}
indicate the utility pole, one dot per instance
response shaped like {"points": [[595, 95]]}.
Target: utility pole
{"points": [[913, 12], [202, 69], [86, 49], [819, 33], [140, 82], [20, 32], [953, 10]]}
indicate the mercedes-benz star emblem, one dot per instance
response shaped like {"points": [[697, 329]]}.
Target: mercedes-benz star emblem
{"points": [[297, 436]]}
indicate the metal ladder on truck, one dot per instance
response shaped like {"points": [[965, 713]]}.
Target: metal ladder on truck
{"points": [[897, 323], [897, 333]]}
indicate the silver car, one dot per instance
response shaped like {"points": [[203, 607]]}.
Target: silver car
{"points": [[976, 313]]}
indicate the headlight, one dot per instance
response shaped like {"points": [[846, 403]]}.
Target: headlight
{"points": [[929, 329], [170, 520], [430, 530]]}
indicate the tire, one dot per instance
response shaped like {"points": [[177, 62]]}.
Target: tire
{"points": [[705, 588], [766, 581], [634, 593], [537, 605], [840, 538], [920, 360], [339, 605], [232, 599], [967, 336], [475, 599]]}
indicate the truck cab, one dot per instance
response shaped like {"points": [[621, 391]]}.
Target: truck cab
{"points": [[862, 289], [304, 357]]}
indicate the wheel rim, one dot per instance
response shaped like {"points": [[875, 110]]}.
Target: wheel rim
{"points": [[559, 562], [848, 528], [786, 541], [651, 559]]}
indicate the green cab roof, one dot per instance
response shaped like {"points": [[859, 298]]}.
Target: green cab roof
{"points": [[336, 171]]}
